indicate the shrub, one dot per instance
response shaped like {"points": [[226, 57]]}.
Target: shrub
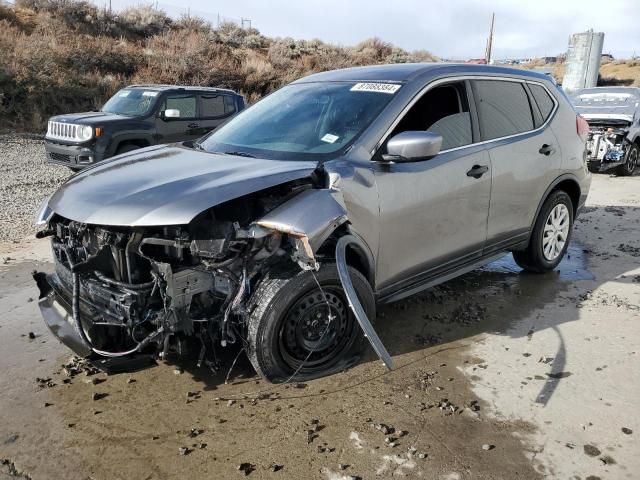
{"points": [[144, 21], [60, 56]]}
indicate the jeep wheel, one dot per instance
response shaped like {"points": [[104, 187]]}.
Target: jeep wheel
{"points": [[296, 329], [551, 235], [630, 161]]}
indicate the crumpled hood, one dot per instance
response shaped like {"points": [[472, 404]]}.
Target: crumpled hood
{"points": [[166, 185], [623, 111], [591, 115]]}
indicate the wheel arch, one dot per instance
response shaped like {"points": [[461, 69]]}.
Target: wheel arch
{"points": [[567, 183], [139, 140], [314, 220], [358, 253]]}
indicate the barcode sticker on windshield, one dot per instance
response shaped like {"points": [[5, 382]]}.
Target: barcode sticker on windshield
{"points": [[149, 94], [390, 88], [124, 93], [330, 138]]}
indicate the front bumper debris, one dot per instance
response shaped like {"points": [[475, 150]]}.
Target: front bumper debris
{"points": [[600, 166], [58, 318]]}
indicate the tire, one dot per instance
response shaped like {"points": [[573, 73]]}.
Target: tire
{"points": [[630, 161], [536, 258], [287, 330], [127, 147]]}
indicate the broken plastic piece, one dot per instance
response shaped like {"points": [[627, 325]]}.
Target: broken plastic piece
{"points": [[355, 304]]}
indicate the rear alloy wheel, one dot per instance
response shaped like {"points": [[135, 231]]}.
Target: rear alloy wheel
{"points": [[630, 161], [296, 329], [556, 232], [550, 237]]}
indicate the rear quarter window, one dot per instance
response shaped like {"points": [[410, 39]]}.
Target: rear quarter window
{"points": [[503, 108], [543, 100]]}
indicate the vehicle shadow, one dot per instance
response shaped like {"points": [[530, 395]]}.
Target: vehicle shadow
{"points": [[492, 299]]}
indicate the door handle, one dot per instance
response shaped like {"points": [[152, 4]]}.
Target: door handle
{"points": [[193, 125], [477, 171], [546, 150]]}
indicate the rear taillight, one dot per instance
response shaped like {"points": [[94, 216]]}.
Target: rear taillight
{"points": [[582, 127]]}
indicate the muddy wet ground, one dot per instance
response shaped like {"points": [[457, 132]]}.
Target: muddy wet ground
{"points": [[500, 375]]}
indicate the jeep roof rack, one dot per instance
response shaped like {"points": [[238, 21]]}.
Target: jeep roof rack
{"points": [[164, 87]]}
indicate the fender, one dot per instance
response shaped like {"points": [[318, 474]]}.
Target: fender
{"points": [[309, 218], [117, 140], [310, 231]]}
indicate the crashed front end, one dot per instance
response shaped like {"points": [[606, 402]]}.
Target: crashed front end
{"points": [[611, 114], [119, 291], [607, 143]]}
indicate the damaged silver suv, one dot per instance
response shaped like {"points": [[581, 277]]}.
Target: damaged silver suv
{"points": [[282, 230]]}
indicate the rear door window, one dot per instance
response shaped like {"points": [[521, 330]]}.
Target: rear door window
{"points": [[503, 108], [214, 106], [543, 100]]}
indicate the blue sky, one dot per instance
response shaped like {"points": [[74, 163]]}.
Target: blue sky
{"points": [[452, 29]]}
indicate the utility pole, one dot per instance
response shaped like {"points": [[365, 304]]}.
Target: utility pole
{"points": [[487, 55], [247, 20]]}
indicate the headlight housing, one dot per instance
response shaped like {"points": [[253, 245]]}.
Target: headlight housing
{"points": [[84, 132], [44, 213]]}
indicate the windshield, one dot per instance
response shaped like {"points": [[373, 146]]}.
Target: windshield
{"points": [[134, 102], [303, 121]]}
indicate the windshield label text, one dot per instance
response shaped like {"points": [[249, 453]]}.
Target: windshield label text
{"points": [[389, 88]]}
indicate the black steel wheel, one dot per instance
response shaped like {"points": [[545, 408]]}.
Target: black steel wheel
{"points": [[317, 329], [630, 161], [296, 329]]}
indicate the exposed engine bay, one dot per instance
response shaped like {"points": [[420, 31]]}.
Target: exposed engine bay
{"points": [[607, 144], [137, 288]]}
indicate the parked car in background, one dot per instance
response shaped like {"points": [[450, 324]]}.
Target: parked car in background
{"points": [[613, 114], [397, 177], [135, 117]]}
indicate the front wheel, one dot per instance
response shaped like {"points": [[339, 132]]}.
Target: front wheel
{"points": [[297, 331], [630, 161], [550, 237]]}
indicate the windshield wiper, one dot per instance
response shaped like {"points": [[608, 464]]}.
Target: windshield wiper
{"points": [[239, 154]]}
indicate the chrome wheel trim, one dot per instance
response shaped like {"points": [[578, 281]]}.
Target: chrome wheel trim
{"points": [[556, 232]]}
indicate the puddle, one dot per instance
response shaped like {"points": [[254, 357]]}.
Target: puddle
{"points": [[572, 268]]}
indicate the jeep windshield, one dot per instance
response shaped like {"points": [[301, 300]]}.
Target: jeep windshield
{"points": [[131, 102], [307, 121]]}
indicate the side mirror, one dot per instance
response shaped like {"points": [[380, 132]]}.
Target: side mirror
{"points": [[412, 146], [170, 113]]}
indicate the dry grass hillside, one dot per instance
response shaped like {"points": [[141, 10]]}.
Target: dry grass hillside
{"points": [[625, 73], [617, 72], [67, 55]]}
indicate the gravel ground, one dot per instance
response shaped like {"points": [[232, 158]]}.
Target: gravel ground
{"points": [[499, 375], [25, 181]]}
